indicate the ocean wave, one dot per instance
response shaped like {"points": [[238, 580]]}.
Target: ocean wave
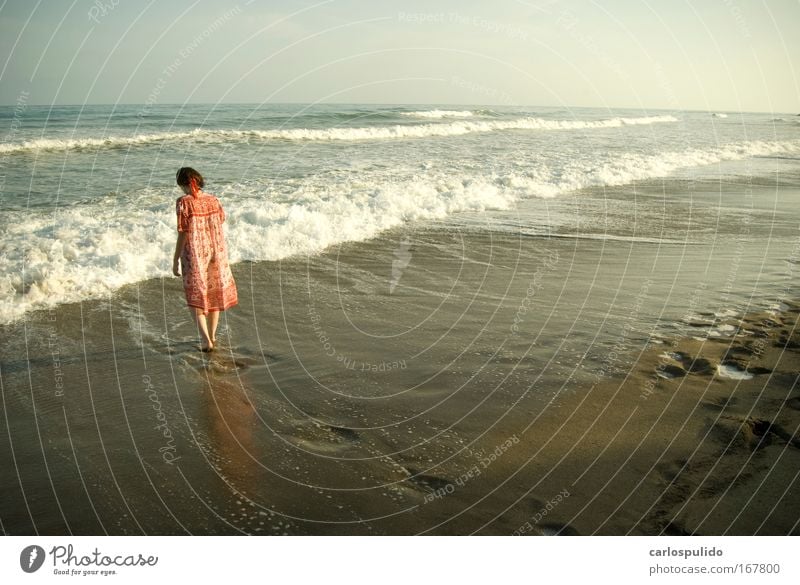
{"points": [[615, 170], [57, 144], [89, 251], [201, 136], [439, 114]]}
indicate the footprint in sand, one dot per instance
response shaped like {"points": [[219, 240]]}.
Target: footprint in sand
{"points": [[734, 369], [765, 430], [345, 433], [534, 505], [675, 529], [780, 432], [786, 341], [759, 371], [428, 483], [225, 366], [721, 403], [757, 333], [692, 365], [745, 349], [555, 529], [794, 403], [670, 372], [225, 361], [737, 433], [670, 470]]}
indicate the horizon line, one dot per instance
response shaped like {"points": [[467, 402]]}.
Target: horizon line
{"points": [[401, 104]]}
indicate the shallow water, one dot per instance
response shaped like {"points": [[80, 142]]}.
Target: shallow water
{"points": [[88, 193], [350, 388]]}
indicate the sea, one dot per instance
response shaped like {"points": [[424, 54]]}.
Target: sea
{"points": [[88, 192], [421, 288]]}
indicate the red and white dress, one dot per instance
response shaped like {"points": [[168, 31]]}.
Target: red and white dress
{"points": [[207, 278]]}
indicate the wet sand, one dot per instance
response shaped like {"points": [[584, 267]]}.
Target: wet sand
{"points": [[462, 382], [701, 437]]}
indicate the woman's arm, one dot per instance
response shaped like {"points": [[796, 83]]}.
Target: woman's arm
{"points": [[178, 249]]}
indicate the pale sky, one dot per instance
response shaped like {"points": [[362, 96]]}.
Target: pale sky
{"points": [[720, 55]]}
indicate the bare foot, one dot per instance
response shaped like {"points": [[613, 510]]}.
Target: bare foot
{"points": [[207, 347]]}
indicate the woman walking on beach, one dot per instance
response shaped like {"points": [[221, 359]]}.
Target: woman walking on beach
{"points": [[207, 278]]}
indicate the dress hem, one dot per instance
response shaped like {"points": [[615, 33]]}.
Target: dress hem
{"points": [[214, 309]]}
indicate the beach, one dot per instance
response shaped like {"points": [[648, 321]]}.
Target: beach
{"points": [[458, 377], [309, 271]]}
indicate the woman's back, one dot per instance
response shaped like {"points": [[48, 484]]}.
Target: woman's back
{"points": [[207, 278], [199, 213]]}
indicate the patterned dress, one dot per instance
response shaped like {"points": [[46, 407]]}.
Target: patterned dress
{"points": [[207, 278]]}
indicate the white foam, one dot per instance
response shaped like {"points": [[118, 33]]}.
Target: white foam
{"points": [[733, 373], [549, 181], [726, 313], [722, 331], [719, 115], [76, 254], [109, 141], [90, 250], [697, 319], [439, 114], [616, 238], [399, 131]]}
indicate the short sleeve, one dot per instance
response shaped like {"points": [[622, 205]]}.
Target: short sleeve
{"points": [[221, 212], [182, 211]]}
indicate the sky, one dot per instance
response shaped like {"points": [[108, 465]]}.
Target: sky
{"points": [[720, 55]]}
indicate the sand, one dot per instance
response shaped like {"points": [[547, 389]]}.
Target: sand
{"points": [[337, 406], [678, 447]]}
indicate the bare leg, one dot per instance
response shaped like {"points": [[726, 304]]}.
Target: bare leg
{"points": [[203, 327], [213, 321]]}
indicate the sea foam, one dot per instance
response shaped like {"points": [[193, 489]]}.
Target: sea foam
{"points": [[398, 131], [90, 250], [435, 114]]}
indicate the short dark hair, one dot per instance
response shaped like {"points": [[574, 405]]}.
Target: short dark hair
{"points": [[185, 175]]}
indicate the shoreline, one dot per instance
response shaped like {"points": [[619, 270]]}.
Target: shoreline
{"points": [[500, 422]]}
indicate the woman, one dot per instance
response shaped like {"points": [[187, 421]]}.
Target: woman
{"points": [[207, 279]]}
